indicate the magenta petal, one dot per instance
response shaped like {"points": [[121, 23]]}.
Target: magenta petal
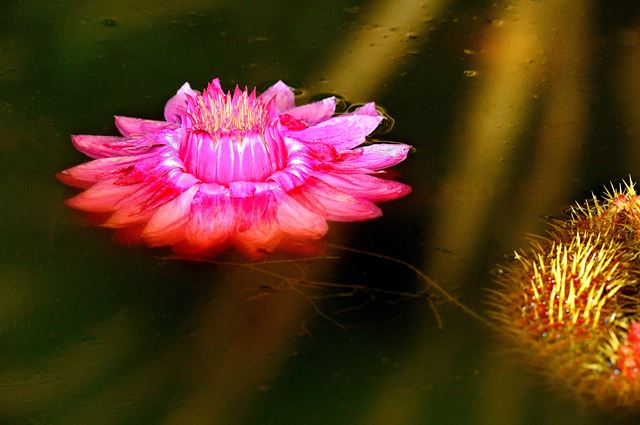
{"points": [[177, 105], [253, 210], [285, 98], [101, 197], [373, 157], [95, 146], [300, 221], [366, 109], [337, 205], [315, 112], [365, 186], [139, 206], [211, 219], [261, 239], [89, 173], [168, 223], [135, 126], [342, 132], [109, 146], [124, 170]]}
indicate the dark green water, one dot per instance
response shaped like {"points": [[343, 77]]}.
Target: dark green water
{"points": [[515, 110]]}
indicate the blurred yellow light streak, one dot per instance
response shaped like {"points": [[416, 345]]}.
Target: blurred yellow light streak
{"points": [[491, 121], [514, 64], [562, 131], [373, 54], [626, 82]]}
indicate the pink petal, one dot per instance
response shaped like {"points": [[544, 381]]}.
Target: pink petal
{"points": [[342, 132], [365, 186], [101, 197], [334, 204], [292, 123], [168, 223], [136, 126], [324, 152], [373, 157], [140, 205], [285, 98], [250, 211], [299, 221], [313, 113], [366, 109], [89, 173], [127, 169], [177, 105], [107, 146], [211, 219], [150, 167], [259, 240]]}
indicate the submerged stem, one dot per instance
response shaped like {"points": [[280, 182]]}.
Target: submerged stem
{"points": [[426, 279]]}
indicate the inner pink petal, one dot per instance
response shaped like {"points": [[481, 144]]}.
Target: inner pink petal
{"points": [[285, 98], [177, 105], [342, 132], [313, 113], [373, 157]]}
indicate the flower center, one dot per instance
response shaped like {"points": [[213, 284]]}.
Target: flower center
{"points": [[231, 138], [215, 111]]}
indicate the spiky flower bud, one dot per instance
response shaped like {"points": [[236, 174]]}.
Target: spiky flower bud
{"points": [[571, 301]]}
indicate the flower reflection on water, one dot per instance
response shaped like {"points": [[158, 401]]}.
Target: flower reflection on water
{"points": [[236, 170]]}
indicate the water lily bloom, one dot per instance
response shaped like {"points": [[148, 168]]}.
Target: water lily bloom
{"points": [[235, 170]]}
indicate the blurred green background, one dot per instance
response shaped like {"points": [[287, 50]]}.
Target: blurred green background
{"points": [[515, 108]]}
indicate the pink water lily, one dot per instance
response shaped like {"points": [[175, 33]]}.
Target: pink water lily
{"points": [[235, 170]]}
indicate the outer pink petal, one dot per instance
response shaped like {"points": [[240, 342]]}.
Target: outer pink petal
{"points": [[373, 157], [366, 186], [102, 197], [313, 113], [139, 206], [300, 221], [168, 223], [158, 165], [176, 106], [250, 211], [336, 205], [89, 173], [285, 98], [127, 170], [211, 219], [259, 240], [136, 126], [108, 146], [342, 132]]}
